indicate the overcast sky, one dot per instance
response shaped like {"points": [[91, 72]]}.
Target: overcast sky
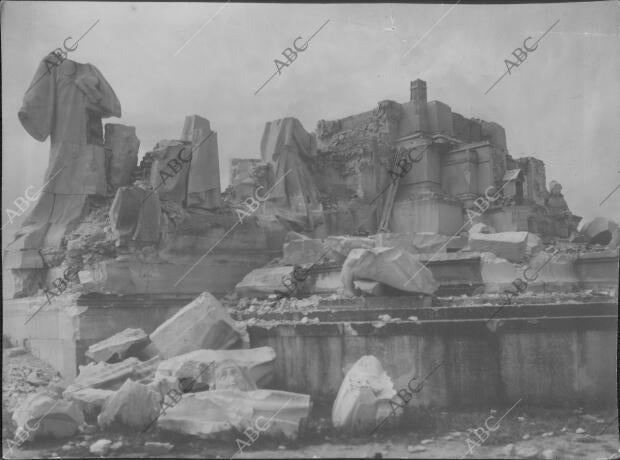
{"points": [[166, 61]]}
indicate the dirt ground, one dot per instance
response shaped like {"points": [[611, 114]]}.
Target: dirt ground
{"points": [[571, 433]]}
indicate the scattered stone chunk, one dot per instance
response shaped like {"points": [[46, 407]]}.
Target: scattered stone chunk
{"points": [[158, 448], [202, 324], [363, 398], [42, 415], [580, 431], [414, 449], [116, 446], [118, 345], [90, 400], [134, 405], [392, 266], [508, 450], [481, 228], [100, 447], [527, 452], [549, 454]]}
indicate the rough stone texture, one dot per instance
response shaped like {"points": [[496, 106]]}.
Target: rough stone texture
{"points": [[121, 145], [601, 231], [90, 400], [263, 282], [108, 376], [363, 398], [134, 405], [100, 447], [258, 361], [42, 415], [303, 251], [118, 345], [170, 182], [135, 215], [213, 414], [512, 246], [203, 323], [481, 228], [158, 448], [392, 266], [342, 245], [415, 243], [203, 183]]}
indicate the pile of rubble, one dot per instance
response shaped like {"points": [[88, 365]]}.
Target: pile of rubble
{"points": [[194, 375]]}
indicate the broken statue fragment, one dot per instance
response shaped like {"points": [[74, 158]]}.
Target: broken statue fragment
{"points": [[363, 398], [67, 102]]}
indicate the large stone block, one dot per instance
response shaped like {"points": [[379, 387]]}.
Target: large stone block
{"points": [[135, 215], [203, 186], [203, 323], [121, 145], [170, 170], [512, 246], [392, 266]]}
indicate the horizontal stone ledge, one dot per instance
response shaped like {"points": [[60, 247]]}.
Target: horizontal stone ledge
{"points": [[452, 329], [444, 313]]}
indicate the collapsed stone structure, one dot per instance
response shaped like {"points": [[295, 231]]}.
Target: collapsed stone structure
{"points": [[375, 205]]}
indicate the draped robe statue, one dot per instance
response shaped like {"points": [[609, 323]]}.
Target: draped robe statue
{"points": [[66, 102], [290, 149]]}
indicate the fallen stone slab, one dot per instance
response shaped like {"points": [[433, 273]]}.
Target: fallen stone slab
{"points": [[392, 266], [341, 246], [90, 400], [214, 414], [118, 346], [303, 251], [259, 362], [264, 281], [202, 324], [418, 243], [42, 415], [112, 376], [363, 398], [134, 405], [512, 246]]}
